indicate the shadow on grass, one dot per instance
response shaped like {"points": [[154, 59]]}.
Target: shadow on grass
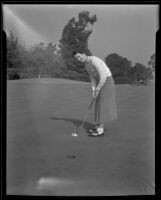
{"points": [[77, 123]]}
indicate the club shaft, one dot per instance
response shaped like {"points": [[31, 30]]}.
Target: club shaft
{"points": [[85, 117]]}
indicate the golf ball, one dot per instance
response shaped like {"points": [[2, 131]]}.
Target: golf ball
{"points": [[74, 134]]}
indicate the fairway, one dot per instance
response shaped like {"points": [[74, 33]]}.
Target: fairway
{"points": [[41, 116]]}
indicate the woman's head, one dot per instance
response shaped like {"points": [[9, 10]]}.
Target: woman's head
{"points": [[81, 57]]}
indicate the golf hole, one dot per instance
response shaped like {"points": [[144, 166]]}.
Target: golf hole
{"points": [[71, 156]]}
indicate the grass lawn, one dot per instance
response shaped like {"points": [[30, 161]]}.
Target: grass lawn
{"points": [[41, 116]]}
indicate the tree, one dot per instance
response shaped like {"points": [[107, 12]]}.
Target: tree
{"points": [[14, 60], [49, 56], [55, 63], [44, 61], [151, 63], [75, 38], [119, 66], [140, 74], [37, 59], [24, 64]]}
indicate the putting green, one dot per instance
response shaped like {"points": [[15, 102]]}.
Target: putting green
{"points": [[43, 157]]}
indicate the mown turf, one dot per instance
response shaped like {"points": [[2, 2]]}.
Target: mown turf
{"points": [[41, 116]]}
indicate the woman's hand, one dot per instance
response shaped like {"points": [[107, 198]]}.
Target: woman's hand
{"points": [[93, 91], [96, 93]]}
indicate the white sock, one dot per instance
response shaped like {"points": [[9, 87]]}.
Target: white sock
{"points": [[100, 130]]}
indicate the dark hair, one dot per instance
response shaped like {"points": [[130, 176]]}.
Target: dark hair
{"points": [[74, 53]]}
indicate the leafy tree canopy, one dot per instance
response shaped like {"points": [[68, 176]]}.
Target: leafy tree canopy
{"points": [[151, 63], [75, 38], [118, 65]]}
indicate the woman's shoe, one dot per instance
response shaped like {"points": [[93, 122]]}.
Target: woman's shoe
{"points": [[96, 134], [92, 130]]}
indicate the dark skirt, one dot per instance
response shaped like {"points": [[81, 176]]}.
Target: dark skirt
{"points": [[105, 105]]}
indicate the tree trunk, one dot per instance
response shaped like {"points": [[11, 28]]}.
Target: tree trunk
{"points": [[39, 75], [20, 75]]}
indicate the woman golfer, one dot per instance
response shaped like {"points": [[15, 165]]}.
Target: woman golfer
{"points": [[103, 88]]}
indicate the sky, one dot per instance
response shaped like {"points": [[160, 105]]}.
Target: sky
{"points": [[128, 30]]}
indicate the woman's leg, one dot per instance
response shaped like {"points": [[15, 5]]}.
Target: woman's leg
{"points": [[105, 110], [99, 126], [97, 112]]}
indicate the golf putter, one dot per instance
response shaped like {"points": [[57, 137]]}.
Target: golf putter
{"points": [[84, 119]]}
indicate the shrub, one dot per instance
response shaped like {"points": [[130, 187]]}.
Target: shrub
{"points": [[121, 80], [13, 73]]}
